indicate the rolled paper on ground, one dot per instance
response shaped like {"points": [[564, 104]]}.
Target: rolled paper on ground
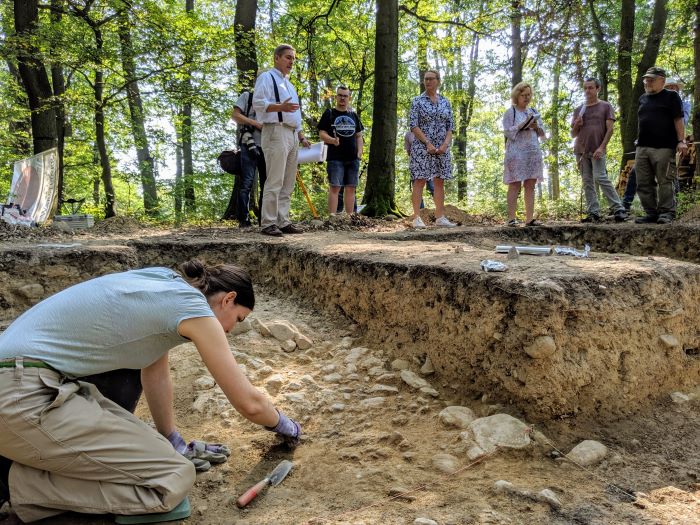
{"points": [[526, 250]]}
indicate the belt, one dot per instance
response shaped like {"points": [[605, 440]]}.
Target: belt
{"points": [[293, 128], [27, 364]]}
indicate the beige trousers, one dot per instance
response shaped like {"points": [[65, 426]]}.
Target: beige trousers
{"points": [[73, 449], [279, 144]]}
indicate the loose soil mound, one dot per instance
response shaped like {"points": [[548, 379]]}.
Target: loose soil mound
{"points": [[119, 225], [692, 215], [9, 232]]}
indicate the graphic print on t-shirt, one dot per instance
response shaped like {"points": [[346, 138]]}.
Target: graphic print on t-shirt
{"points": [[344, 126]]}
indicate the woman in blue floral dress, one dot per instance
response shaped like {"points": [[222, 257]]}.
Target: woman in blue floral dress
{"points": [[431, 122]]}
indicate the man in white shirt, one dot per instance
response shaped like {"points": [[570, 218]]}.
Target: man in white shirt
{"points": [[277, 105]]}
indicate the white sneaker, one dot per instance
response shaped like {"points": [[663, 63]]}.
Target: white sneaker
{"points": [[418, 223], [444, 222]]}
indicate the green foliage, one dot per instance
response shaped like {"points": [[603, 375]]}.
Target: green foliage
{"points": [[335, 44]]}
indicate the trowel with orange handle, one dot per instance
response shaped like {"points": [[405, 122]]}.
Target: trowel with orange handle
{"points": [[273, 479]]}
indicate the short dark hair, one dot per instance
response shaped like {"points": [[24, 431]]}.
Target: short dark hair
{"points": [[592, 79], [211, 280], [343, 87]]}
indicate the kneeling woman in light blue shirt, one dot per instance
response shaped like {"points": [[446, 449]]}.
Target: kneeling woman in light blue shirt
{"points": [[71, 370]]}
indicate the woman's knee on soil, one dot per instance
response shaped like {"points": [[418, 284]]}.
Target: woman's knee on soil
{"points": [[179, 484]]}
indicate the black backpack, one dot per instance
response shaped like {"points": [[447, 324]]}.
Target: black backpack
{"points": [[230, 161]]}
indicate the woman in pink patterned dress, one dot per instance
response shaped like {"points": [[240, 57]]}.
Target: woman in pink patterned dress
{"points": [[523, 128]]}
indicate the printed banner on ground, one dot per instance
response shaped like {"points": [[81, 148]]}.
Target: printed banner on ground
{"points": [[34, 190]]}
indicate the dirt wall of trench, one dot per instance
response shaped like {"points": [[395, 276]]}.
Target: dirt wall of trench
{"points": [[619, 340]]}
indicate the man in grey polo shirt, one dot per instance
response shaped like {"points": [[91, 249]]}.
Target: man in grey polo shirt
{"points": [[277, 104]]}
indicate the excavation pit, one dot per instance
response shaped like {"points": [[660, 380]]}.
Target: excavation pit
{"points": [[554, 336]]}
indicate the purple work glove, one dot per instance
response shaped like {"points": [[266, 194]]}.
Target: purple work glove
{"points": [[200, 453], [288, 429]]}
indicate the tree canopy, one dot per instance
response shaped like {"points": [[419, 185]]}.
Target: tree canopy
{"points": [[137, 94]]}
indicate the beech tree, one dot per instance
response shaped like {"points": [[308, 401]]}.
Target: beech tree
{"points": [[380, 188]]}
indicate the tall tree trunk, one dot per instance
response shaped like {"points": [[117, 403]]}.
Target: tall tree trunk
{"points": [[554, 143], [466, 110], [95, 180], [361, 88], [314, 110], [186, 123], [178, 176], [516, 42], [651, 52], [244, 42], [34, 77], [696, 91], [624, 71], [99, 118], [556, 106], [59, 89], [381, 176], [601, 52], [422, 53], [138, 126]]}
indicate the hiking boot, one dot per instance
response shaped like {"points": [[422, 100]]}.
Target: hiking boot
{"points": [[444, 222], [621, 216], [647, 219], [664, 219], [591, 218], [418, 223], [290, 228], [271, 230]]}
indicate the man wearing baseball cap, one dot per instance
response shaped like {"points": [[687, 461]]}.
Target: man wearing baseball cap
{"points": [[676, 84], [660, 135]]}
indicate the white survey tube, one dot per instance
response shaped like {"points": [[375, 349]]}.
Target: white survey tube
{"points": [[526, 250]]}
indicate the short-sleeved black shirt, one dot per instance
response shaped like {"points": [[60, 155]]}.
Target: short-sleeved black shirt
{"points": [[657, 113], [344, 125]]}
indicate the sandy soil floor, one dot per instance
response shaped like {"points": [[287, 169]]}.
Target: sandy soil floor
{"points": [[358, 453]]}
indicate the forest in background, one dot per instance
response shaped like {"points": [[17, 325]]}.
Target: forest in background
{"points": [[137, 94]]}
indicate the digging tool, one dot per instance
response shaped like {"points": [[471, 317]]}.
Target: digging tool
{"points": [[273, 479], [300, 181]]}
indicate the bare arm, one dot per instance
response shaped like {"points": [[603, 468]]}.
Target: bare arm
{"points": [[600, 150], [241, 119], [446, 144], [158, 388], [209, 338], [325, 137], [680, 134], [576, 125], [360, 144]]}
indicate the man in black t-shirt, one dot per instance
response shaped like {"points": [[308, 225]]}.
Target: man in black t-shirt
{"points": [[341, 129], [660, 135]]}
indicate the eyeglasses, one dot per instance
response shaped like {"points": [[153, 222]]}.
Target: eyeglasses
{"points": [[341, 96], [425, 79]]}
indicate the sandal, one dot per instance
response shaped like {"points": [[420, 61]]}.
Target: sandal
{"points": [[533, 222]]}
